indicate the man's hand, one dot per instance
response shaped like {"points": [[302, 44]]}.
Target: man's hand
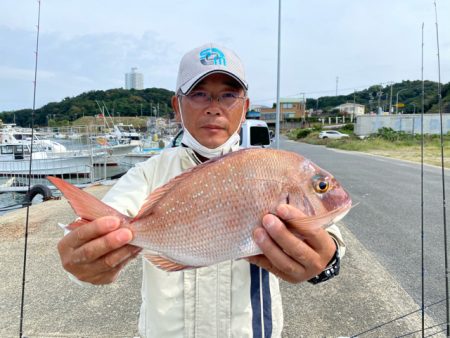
{"points": [[292, 251], [97, 251]]}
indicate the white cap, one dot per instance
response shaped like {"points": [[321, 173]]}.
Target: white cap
{"points": [[206, 60]]}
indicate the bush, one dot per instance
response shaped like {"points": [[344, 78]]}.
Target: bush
{"points": [[318, 127], [302, 133], [349, 126], [390, 134]]}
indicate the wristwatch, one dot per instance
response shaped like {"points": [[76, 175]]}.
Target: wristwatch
{"points": [[330, 271]]}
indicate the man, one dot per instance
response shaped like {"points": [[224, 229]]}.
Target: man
{"points": [[233, 298]]}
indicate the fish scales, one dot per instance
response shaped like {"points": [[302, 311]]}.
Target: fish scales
{"points": [[208, 214], [223, 203]]}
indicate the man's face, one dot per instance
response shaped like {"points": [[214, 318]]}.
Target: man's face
{"points": [[213, 123]]}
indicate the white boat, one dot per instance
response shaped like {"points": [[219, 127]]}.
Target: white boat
{"points": [[125, 132], [15, 160], [119, 134], [47, 157], [114, 152], [140, 154]]}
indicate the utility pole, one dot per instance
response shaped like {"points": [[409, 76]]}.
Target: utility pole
{"points": [[396, 105], [337, 83], [379, 94], [304, 107], [390, 100]]}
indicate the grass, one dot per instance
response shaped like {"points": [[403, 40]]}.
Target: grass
{"points": [[395, 145]]}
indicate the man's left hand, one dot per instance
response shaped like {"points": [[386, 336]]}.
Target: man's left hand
{"points": [[291, 250]]}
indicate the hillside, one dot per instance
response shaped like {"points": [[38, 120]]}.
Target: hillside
{"points": [[156, 102], [409, 93], [115, 102]]}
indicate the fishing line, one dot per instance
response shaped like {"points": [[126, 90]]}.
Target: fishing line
{"points": [[394, 320], [428, 328], [442, 173], [29, 176], [421, 200], [431, 335]]}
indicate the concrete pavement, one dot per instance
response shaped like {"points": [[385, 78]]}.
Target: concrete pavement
{"points": [[365, 295]]}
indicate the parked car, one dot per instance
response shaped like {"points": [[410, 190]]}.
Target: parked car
{"points": [[331, 134]]}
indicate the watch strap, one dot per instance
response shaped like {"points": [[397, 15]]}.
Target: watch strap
{"points": [[330, 271]]}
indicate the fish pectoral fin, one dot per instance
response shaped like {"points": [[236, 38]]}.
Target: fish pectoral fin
{"points": [[76, 224], [165, 263], [322, 222]]}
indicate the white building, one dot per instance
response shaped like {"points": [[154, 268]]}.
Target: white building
{"points": [[134, 80], [354, 109]]}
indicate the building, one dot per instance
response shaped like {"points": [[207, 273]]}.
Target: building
{"points": [[354, 109], [134, 80], [290, 109], [253, 115]]}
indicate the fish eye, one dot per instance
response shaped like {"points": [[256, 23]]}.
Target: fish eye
{"points": [[321, 186]]}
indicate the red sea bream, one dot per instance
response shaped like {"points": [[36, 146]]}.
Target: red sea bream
{"points": [[207, 214]]}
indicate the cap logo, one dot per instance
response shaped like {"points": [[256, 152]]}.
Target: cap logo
{"points": [[212, 56]]}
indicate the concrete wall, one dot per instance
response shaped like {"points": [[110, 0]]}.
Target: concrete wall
{"points": [[369, 124]]}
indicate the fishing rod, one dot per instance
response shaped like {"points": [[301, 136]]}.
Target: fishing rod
{"points": [[442, 174], [22, 302], [421, 199], [278, 111]]}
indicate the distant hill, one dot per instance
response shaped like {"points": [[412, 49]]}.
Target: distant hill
{"points": [[156, 101], [115, 102], [410, 94]]}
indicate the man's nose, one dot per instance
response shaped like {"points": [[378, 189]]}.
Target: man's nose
{"points": [[214, 106]]}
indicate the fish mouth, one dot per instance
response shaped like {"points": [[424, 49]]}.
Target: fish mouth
{"points": [[341, 212], [329, 218], [341, 215]]}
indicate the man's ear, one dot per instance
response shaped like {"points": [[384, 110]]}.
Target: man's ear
{"points": [[246, 108], [176, 108]]}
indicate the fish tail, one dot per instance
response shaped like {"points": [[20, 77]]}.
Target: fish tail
{"points": [[85, 205]]}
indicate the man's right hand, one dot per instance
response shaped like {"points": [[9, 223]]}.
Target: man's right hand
{"points": [[96, 252]]}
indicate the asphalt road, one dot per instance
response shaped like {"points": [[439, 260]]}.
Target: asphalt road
{"points": [[387, 218], [367, 299]]}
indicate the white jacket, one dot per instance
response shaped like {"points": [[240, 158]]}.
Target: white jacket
{"points": [[231, 299]]}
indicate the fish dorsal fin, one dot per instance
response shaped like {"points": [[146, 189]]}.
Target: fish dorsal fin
{"points": [[165, 263], [157, 194]]}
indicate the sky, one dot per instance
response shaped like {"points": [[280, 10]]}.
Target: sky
{"points": [[90, 44]]}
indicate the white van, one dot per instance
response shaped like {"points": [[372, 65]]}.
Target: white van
{"points": [[255, 133]]}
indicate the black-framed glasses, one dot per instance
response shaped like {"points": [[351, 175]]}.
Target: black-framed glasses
{"points": [[202, 99]]}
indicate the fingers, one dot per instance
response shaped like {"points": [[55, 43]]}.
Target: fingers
{"points": [[111, 275], [96, 251], [90, 231], [284, 238], [316, 237], [96, 248], [291, 250], [290, 262]]}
